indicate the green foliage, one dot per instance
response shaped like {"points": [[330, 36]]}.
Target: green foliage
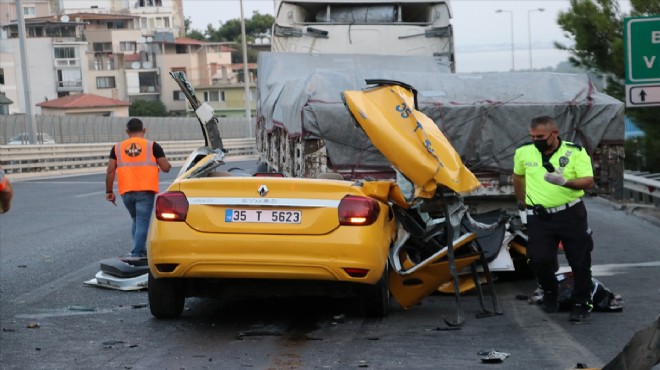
{"points": [[596, 27], [230, 31], [147, 108]]}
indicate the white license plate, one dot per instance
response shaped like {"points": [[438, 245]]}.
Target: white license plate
{"points": [[263, 216]]}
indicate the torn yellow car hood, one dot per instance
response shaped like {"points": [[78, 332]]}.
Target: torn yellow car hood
{"points": [[411, 141]]}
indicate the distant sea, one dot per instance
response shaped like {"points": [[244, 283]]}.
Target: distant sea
{"points": [[500, 60]]}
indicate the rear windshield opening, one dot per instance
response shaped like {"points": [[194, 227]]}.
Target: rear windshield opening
{"points": [[418, 13]]}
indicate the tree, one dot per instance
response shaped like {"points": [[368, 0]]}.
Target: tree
{"points": [[193, 34], [230, 31], [147, 108], [596, 27]]}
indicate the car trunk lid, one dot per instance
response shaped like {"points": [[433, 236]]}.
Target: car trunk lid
{"points": [[264, 205]]}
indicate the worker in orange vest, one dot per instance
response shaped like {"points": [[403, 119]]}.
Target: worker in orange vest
{"points": [[6, 192], [136, 161]]}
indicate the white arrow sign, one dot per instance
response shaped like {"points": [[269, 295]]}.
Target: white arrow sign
{"points": [[648, 95]]}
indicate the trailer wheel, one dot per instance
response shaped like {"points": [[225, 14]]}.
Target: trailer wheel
{"points": [[375, 299], [166, 297]]}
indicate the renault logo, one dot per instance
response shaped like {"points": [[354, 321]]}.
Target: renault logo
{"points": [[263, 190]]}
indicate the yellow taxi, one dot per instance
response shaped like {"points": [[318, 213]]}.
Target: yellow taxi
{"points": [[222, 230]]}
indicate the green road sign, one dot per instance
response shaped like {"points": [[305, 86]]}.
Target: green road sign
{"points": [[642, 45]]}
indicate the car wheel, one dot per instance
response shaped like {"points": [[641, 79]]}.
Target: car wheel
{"points": [[375, 299], [166, 298]]}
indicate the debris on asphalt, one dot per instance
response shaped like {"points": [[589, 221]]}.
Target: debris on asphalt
{"points": [[81, 308], [492, 356], [257, 333], [33, 325]]}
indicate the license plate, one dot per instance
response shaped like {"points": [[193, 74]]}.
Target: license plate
{"points": [[263, 216]]}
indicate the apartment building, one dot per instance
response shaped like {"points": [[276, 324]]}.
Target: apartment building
{"points": [[116, 49], [55, 52]]}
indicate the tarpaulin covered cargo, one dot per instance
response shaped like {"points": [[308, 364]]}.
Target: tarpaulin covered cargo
{"points": [[484, 116]]}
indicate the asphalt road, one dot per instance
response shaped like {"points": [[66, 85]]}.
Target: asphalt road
{"points": [[60, 228]]}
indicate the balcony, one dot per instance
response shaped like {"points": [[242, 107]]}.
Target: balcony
{"points": [[69, 86], [102, 65], [150, 89], [67, 62]]}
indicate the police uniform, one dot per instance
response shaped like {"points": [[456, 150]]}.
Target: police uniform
{"points": [[563, 217]]}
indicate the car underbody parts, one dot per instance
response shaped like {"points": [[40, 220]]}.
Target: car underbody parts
{"points": [[433, 250]]}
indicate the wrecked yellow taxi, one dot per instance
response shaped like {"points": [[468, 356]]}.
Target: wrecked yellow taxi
{"points": [[228, 232]]}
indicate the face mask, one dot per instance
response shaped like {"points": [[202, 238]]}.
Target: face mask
{"points": [[542, 144]]}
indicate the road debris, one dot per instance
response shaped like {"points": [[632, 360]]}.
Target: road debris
{"points": [[493, 356]]}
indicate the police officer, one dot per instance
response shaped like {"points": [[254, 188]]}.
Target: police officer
{"points": [[136, 161], [549, 179]]}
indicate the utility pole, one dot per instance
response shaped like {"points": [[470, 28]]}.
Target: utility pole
{"points": [[25, 66]]}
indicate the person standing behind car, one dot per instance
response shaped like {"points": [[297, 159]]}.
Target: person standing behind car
{"points": [[6, 192], [549, 179], [136, 161]]}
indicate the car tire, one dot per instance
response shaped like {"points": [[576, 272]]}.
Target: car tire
{"points": [[375, 299], [166, 297]]}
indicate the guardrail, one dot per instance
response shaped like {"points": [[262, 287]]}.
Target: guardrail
{"points": [[24, 161], [642, 187]]}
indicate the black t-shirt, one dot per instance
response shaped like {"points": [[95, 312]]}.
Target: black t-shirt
{"points": [[158, 151]]}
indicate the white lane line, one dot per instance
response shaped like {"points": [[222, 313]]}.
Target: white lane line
{"points": [[89, 194], [614, 268]]}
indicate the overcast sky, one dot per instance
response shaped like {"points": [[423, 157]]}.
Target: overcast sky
{"points": [[482, 37]]}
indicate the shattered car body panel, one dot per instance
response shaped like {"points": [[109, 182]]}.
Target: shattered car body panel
{"points": [[409, 140], [428, 252]]}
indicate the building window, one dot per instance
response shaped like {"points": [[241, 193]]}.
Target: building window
{"points": [[214, 96], [107, 82], [29, 11], [167, 22], [127, 46], [116, 25], [143, 23], [103, 47], [181, 49], [2, 76], [69, 78], [65, 53], [178, 95], [147, 3]]}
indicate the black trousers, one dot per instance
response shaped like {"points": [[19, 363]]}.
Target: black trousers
{"points": [[544, 234]]}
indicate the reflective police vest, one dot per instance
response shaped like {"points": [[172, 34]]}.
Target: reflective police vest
{"points": [[137, 169]]}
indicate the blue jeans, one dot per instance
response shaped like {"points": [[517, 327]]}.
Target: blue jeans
{"points": [[140, 205]]}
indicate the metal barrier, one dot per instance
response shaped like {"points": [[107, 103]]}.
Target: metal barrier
{"points": [[24, 161], [642, 187]]}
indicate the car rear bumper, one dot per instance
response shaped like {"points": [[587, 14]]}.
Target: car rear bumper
{"points": [[175, 250]]}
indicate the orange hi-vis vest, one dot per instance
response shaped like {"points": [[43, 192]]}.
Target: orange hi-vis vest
{"points": [[137, 169]]}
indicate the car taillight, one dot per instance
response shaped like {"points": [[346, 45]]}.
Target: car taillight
{"points": [[357, 211], [172, 206]]}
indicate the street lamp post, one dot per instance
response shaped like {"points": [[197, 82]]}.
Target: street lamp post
{"points": [[246, 76], [513, 62], [529, 32]]}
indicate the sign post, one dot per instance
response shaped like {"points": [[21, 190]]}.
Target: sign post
{"points": [[642, 46]]}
